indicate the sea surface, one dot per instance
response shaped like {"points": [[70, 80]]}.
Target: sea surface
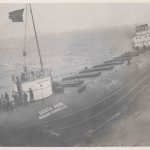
{"points": [[64, 53]]}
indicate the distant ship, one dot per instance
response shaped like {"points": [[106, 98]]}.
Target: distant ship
{"points": [[81, 104]]}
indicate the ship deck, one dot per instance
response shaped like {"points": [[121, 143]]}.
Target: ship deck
{"points": [[103, 98]]}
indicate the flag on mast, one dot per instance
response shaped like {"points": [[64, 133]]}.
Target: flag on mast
{"points": [[17, 15]]}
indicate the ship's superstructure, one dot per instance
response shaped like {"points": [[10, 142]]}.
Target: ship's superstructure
{"points": [[40, 80], [141, 37]]}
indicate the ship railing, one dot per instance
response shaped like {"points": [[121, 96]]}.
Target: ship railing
{"points": [[30, 75]]}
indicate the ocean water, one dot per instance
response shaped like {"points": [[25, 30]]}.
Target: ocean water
{"points": [[64, 53]]}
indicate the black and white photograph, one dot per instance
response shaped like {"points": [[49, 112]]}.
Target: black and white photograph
{"points": [[74, 74]]}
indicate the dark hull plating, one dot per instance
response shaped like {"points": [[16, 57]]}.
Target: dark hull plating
{"points": [[91, 109]]}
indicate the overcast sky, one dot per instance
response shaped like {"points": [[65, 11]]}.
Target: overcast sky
{"points": [[55, 18]]}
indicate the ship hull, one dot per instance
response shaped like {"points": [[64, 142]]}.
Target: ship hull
{"points": [[77, 113]]}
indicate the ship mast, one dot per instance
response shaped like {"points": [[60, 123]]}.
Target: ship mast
{"points": [[41, 62]]}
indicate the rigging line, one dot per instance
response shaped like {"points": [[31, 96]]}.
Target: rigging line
{"points": [[25, 34], [30, 40]]}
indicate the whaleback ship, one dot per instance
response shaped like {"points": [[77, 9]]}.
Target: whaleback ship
{"points": [[67, 111]]}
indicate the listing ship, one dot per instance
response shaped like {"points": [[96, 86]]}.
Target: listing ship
{"points": [[64, 112]]}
